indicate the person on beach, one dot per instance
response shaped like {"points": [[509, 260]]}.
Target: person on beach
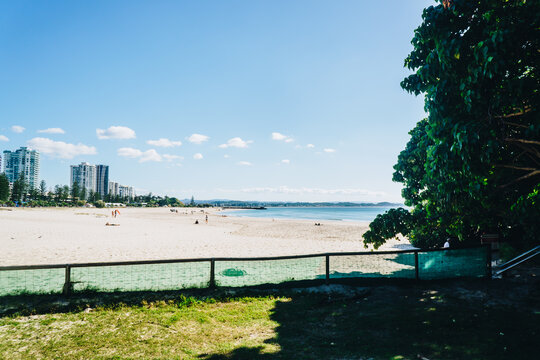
{"points": [[447, 244], [207, 219]]}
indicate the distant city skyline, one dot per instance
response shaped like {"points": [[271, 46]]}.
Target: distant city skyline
{"points": [[95, 179], [269, 101]]}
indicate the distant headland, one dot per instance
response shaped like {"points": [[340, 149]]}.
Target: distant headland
{"points": [[264, 204]]}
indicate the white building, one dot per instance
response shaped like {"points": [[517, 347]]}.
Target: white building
{"points": [[92, 177], [115, 189], [126, 192], [22, 161], [84, 175]]}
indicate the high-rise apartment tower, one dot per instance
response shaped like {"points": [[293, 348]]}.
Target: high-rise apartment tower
{"points": [[84, 175], [22, 162], [102, 179]]}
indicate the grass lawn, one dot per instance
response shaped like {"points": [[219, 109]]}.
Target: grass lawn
{"points": [[453, 320]]}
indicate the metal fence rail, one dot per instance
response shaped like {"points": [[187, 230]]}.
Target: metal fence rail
{"points": [[518, 260], [155, 275]]}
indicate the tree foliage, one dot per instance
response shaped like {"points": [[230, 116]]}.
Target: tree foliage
{"points": [[473, 165], [42, 188], [75, 190], [19, 189], [4, 188]]}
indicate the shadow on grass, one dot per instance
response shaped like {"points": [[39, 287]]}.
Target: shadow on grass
{"points": [[389, 322], [429, 320]]}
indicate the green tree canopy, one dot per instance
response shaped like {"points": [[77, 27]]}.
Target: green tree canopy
{"points": [[19, 188], [75, 190], [64, 191], [43, 188], [83, 193], [4, 188], [473, 165]]}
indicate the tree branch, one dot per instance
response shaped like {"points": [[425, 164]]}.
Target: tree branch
{"points": [[533, 159], [523, 141], [514, 124], [519, 113], [532, 173], [528, 148], [516, 167]]}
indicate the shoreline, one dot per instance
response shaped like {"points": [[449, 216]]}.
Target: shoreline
{"points": [[317, 217]]}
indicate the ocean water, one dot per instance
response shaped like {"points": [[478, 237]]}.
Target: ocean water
{"points": [[313, 213]]}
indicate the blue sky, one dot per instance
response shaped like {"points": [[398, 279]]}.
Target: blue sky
{"points": [[295, 100]]}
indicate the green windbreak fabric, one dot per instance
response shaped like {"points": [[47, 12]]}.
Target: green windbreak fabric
{"points": [[38, 281], [453, 263], [373, 266], [257, 272], [147, 277]]}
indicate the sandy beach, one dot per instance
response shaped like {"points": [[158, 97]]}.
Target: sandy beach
{"points": [[56, 236]]}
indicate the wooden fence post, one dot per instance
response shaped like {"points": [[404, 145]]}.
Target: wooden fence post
{"points": [[489, 274], [327, 269], [67, 281], [416, 266], [212, 273]]}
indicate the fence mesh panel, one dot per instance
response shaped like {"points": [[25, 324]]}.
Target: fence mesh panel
{"points": [[34, 281], [453, 263], [373, 266], [146, 277], [258, 272]]}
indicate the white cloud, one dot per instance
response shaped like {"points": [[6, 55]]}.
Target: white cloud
{"points": [[52, 131], [311, 146], [3, 138], [164, 143], [244, 163], [60, 149], [129, 152], [143, 156], [280, 137], [226, 156], [318, 191], [198, 156], [150, 155], [236, 142], [327, 150], [286, 161], [198, 138], [115, 132], [17, 129], [169, 157]]}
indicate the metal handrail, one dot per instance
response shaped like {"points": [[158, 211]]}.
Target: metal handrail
{"points": [[520, 259]]}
